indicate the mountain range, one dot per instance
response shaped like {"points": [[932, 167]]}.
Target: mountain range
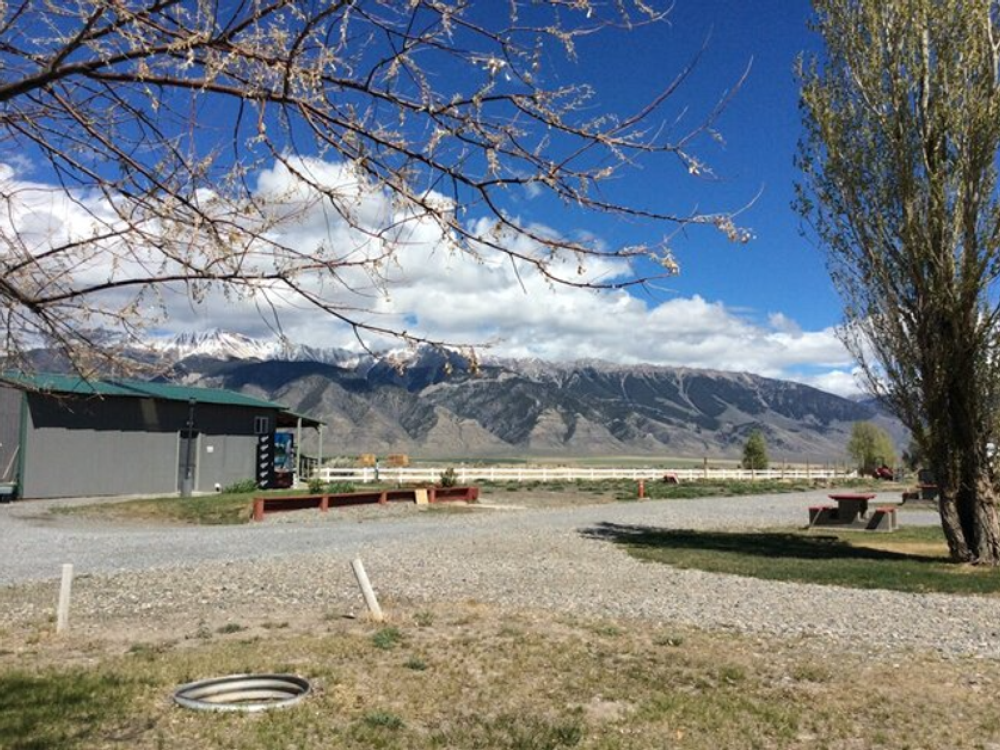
{"points": [[433, 403]]}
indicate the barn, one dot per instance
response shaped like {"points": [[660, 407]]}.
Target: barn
{"points": [[63, 436]]}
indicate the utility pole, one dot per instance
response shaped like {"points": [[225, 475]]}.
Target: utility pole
{"points": [[187, 483]]}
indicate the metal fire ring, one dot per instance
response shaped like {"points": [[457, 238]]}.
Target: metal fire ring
{"points": [[243, 692]]}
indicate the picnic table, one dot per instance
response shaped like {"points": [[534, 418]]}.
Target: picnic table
{"points": [[851, 506], [852, 511]]}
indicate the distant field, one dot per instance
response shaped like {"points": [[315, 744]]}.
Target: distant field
{"points": [[665, 462]]}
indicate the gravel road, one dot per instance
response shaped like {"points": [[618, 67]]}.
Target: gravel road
{"points": [[542, 559]]}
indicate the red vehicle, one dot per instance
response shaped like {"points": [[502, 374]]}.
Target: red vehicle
{"points": [[883, 472]]}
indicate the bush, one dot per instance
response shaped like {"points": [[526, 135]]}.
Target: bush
{"points": [[241, 487], [449, 478], [340, 488], [316, 486], [755, 452]]}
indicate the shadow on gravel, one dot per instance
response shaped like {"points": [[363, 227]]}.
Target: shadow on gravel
{"points": [[767, 544]]}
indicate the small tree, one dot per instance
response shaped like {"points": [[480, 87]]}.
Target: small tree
{"points": [[870, 446], [755, 452]]}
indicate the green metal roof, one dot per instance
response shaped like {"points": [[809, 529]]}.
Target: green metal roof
{"points": [[77, 386]]}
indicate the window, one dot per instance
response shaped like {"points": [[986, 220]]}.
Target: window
{"points": [[261, 425]]}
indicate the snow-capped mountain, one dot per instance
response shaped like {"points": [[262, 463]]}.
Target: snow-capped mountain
{"points": [[431, 402], [226, 345]]}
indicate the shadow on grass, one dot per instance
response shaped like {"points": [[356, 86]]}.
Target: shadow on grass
{"points": [[819, 558], [768, 544], [56, 710]]}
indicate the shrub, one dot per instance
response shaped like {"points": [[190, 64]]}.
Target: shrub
{"points": [[241, 487], [340, 488], [387, 638], [755, 452], [449, 478], [316, 486]]}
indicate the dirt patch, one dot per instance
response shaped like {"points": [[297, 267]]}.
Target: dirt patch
{"points": [[472, 675]]}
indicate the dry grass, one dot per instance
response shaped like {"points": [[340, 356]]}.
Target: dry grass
{"points": [[473, 676]]}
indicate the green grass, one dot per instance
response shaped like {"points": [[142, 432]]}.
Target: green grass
{"points": [[913, 559], [202, 510], [59, 709], [387, 638], [627, 489], [710, 488], [208, 510]]}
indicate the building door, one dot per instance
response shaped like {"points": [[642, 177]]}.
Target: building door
{"points": [[187, 460]]}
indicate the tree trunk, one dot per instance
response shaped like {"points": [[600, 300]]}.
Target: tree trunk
{"points": [[953, 532], [967, 499], [986, 523], [967, 502]]}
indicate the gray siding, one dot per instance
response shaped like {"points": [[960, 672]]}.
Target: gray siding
{"points": [[225, 459], [63, 462], [118, 446], [10, 432]]}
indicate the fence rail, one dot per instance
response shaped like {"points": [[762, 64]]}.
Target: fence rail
{"points": [[472, 474]]}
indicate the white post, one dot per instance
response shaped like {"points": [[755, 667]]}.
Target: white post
{"points": [[366, 589], [319, 452], [62, 611]]}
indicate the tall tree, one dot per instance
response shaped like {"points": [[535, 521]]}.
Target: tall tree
{"points": [[899, 165], [870, 446], [152, 121]]}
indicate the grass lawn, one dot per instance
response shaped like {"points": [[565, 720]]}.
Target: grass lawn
{"points": [[473, 677], [911, 559], [222, 508]]}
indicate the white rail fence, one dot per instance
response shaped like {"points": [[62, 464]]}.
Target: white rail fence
{"points": [[473, 474]]}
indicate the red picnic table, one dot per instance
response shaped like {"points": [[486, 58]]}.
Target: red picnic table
{"points": [[851, 506]]}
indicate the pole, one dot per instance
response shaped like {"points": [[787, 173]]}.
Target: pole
{"points": [[319, 450], [65, 587], [187, 484], [298, 450], [366, 589]]}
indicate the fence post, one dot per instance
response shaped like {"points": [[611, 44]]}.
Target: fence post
{"points": [[65, 586], [366, 589]]}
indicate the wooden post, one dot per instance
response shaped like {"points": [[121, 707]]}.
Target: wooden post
{"points": [[65, 587], [704, 463], [642, 489], [366, 589]]}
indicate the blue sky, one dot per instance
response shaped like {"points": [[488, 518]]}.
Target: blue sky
{"points": [[780, 271], [766, 307]]}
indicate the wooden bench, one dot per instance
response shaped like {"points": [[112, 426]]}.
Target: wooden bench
{"points": [[452, 494], [276, 503], [883, 519], [928, 491], [820, 515]]}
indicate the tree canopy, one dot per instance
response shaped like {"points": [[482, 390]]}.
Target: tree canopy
{"points": [[755, 452], [870, 447], [182, 137]]}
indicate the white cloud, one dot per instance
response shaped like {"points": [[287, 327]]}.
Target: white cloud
{"points": [[434, 290], [842, 382]]}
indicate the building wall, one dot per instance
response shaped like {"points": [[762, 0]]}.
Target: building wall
{"points": [[118, 446], [10, 432]]}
